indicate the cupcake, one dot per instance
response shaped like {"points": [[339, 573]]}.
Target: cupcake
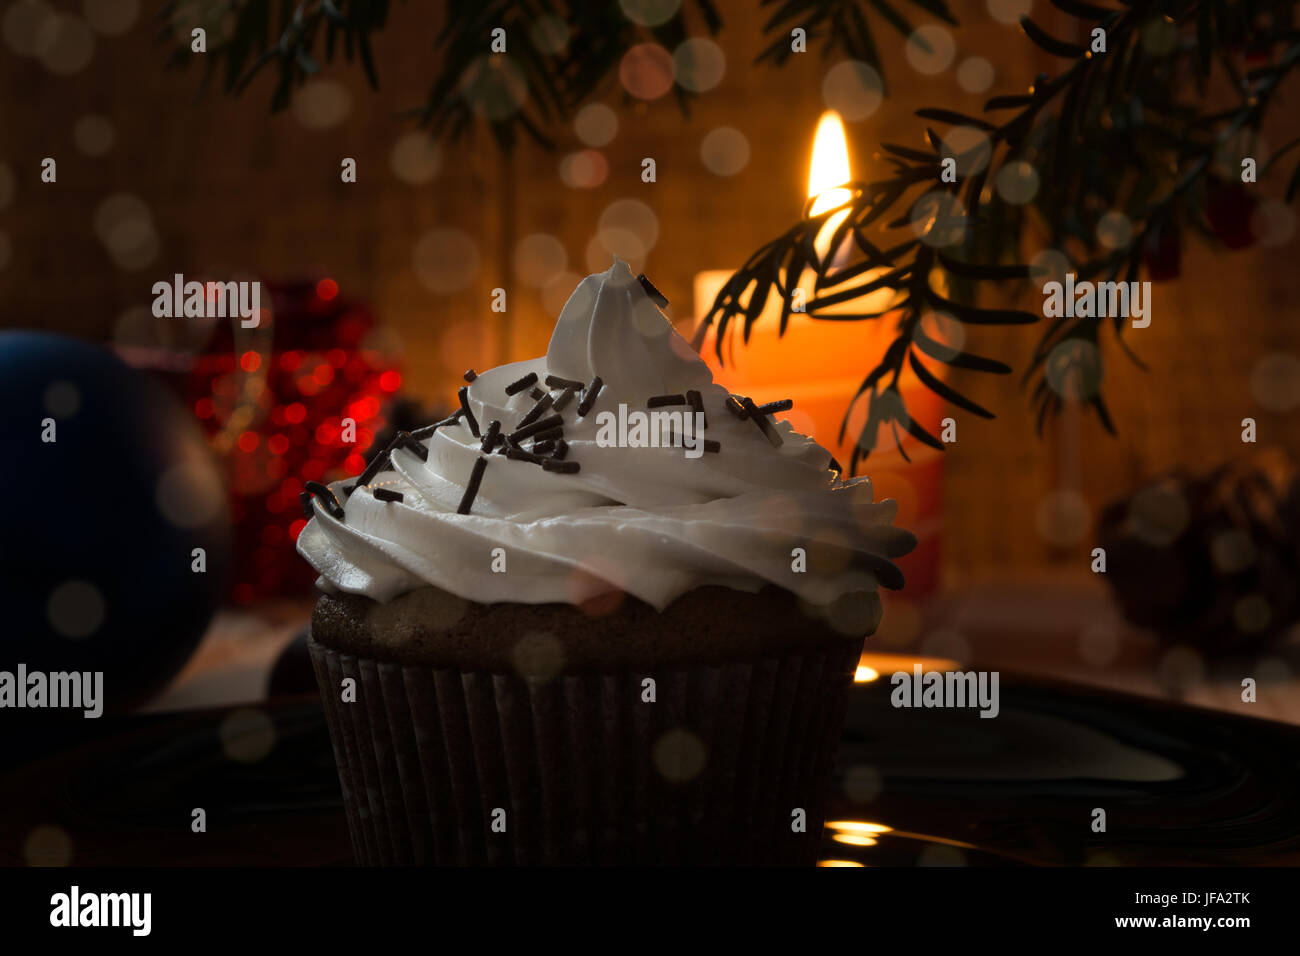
{"points": [[606, 613]]}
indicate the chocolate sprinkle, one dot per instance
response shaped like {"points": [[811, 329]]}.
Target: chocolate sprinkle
{"points": [[304, 498], [554, 381], [563, 467], [589, 396], [763, 424], [491, 436], [428, 430], [463, 394], [521, 384], [658, 401], [561, 449], [378, 463], [471, 488], [515, 453], [536, 393], [769, 408], [470, 375], [734, 406], [543, 447], [549, 435], [659, 298], [413, 445], [696, 401], [539, 426], [675, 441], [383, 494], [535, 412], [375, 467], [565, 397], [327, 499]]}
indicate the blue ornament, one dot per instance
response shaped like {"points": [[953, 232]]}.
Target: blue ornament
{"points": [[114, 527]]}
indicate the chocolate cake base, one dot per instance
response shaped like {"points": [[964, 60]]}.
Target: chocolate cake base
{"points": [[536, 734]]}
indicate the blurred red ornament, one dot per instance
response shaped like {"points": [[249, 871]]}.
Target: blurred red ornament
{"points": [[277, 418]]}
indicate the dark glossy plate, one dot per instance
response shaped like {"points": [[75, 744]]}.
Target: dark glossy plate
{"points": [[913, 786]]}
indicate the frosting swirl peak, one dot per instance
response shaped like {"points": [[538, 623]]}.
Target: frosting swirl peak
{"points": [[650, 520]]}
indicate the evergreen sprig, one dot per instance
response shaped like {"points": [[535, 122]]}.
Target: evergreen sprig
{"points": [[249, 36], [527, 88], [1112, 133]]}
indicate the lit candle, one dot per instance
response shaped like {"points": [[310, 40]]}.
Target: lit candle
{"points": [[820, 364]]}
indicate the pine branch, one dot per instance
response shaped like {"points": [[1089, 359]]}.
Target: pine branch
{"points": [[524, 90], [1108, 134]]}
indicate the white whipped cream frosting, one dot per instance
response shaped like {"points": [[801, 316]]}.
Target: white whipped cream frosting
{"points": [[649, 521]]}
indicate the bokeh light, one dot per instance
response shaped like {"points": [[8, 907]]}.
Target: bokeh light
{"points": [[971, 148], [649, 13], [1017, 182], [1009, 11], [939, 219], [725, 151], [585, 169], [1099, 644], [1275, 381], [416, 158], [680, 755], [125, 225], [1158, 514], [556, 292], [1114, 230], [64, 44], [646, 71], [1159, 36], [539, 258], [946, 642], [699, 64], [975, 74], [247, 735], [22, 22], [1049, 265], [634, 216], [862, 783], [62, 399], [1180, 670], [494, 87], [446, 260], [596, 124], [188, 495], [538, 656], [549, 34], [93, 135], [930, 49], [1073, 369], [607, 244], [1063, 517], [75, 609], [48, 845], [112, 18], [853, 89], [321, 104]]}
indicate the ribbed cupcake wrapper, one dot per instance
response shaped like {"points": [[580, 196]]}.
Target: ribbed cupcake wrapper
{"points": [[577, 763]]}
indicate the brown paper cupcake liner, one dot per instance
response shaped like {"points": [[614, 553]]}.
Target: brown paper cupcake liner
{"points": [[578, 769]]}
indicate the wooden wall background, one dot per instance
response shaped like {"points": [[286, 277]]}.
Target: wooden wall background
{"points": [[231, 187]]}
